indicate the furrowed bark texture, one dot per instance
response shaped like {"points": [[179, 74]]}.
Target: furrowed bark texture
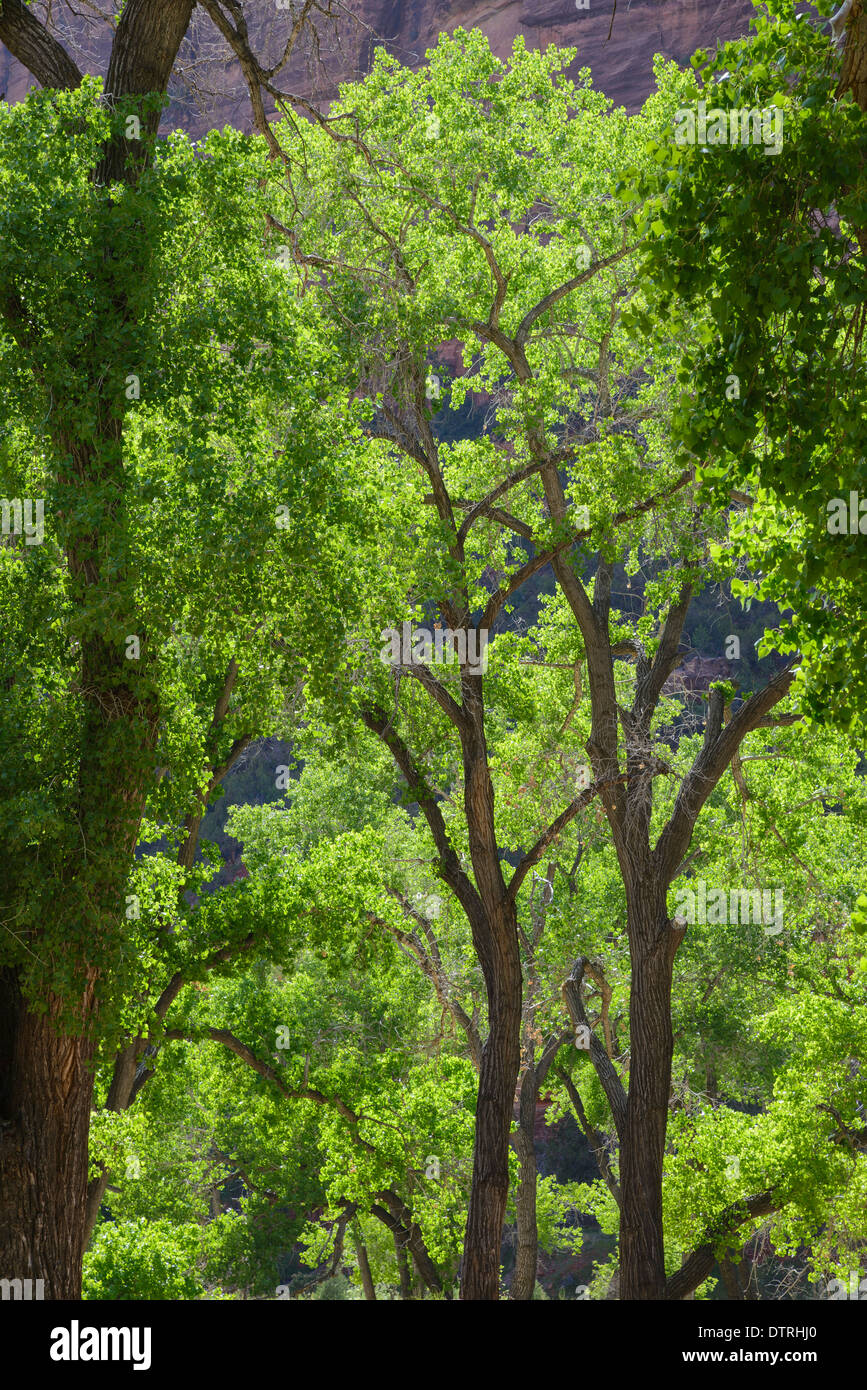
{"points": [[526, 1259], [495, 937], [643, 1146], [45, 1083], [45, 1096]]}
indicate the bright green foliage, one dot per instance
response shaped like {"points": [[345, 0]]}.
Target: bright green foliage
{"points": [[368, 1072], [143, 1260], [174, 409], [475, 161], [763, 248]]}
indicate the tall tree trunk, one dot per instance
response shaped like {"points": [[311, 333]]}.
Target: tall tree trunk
{"points": [[653, 943], [526, 1261], [493, 921], [731, 1283], [498, 1075], [46, 1085], [367, 1283], [45, 1097], [495, 938], [737, 1279]]}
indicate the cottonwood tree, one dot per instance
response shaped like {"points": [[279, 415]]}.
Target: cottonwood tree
{"points": [[742, 981], [344, 1092], [365, 1057], [144, 340], [377, 996], [476, 210]]}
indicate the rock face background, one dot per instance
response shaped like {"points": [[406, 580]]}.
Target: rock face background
{"points": [[621, 65]]}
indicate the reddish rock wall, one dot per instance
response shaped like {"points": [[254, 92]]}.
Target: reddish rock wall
{"points": [[621, 65]]}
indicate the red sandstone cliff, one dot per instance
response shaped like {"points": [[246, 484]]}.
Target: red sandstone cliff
{"points": [[621, 65]]}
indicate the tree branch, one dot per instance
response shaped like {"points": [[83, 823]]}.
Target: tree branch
{"points": [[648, 688], [608, 1078], [30, 42], [719, 746], [397, 1217], [431, 966], [555, 296], [247, 1055], [477, 508], [698, 1265], [449, 863], [534, 854], [593, 1137]]}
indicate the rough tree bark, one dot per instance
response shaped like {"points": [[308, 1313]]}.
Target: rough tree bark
{"points": [[653, 944], [45, 1083], [45, 1095], [532, 1080], [497, 1078], [46, 1086], [492, 915], [527, 1257], [367, 1283]]}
